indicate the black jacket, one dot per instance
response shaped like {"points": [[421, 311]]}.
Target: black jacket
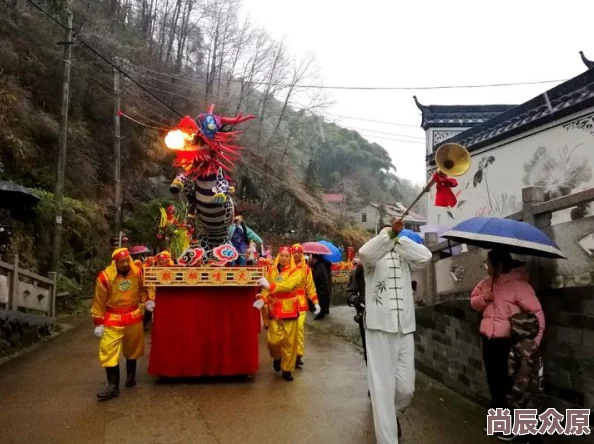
{"points": [[321, 281]]}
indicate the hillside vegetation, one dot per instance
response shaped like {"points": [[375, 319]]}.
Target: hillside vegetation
{"points": [[190, 54]]}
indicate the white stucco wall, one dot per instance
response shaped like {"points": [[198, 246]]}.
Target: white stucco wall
{"points": [[559, 156]]}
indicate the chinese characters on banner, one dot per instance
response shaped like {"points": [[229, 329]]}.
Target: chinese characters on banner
{"points": [[529, 422]]}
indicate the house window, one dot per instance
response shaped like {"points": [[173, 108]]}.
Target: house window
{"points": [[364, 217]]}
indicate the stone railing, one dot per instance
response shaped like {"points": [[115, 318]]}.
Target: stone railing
{"points": [[448, 277], [23, 291], [447, 337]]}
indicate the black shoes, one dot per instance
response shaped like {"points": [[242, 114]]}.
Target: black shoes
{"points": [[287, 376], [130, 372], [299, 363], [277, 365], [113, 384]]}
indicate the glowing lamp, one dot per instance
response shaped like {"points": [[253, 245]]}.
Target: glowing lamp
{"points": [[176, 140]]}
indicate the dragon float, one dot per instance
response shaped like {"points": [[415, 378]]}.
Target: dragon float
{"points": [[206, 152]]}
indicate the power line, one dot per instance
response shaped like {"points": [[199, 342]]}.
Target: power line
{"points": [[45, 12], [366, 136], [113, 65], [411, 88], [354, 128], [104, 58], [370, 88], [374, 121]]}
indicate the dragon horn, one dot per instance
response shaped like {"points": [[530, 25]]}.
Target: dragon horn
{"points": [[236, 120], [211, 109]]}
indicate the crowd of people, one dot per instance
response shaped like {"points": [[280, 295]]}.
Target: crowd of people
{"points": [[380, 289], [512, 327]]}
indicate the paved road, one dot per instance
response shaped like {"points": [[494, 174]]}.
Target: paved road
{"points": [[48, 396]]}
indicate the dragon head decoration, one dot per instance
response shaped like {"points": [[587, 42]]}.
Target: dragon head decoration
{"points": [[206, 149], [205, 144]]}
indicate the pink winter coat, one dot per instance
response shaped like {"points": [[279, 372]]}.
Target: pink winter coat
{"points": [[512, 294]]}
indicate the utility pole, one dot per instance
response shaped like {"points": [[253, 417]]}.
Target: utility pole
{"points": [[63, 138], [117, 148]]}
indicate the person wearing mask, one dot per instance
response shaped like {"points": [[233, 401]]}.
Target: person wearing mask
{"points": [[119, 292], [241, 235], [279, 291], [307, 292], [499, 296], [322, 285], [390, 325]]}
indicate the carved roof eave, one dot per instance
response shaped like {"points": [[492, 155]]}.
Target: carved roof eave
{"points": [[564, 99], [589, 63], [457, 116]]}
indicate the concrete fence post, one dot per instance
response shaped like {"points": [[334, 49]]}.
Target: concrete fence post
{"points": [[52, 308], [531, 197], [14, 284], [430, 275]]}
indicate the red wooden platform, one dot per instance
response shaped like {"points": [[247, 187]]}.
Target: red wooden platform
{"points": [[204, 331]]}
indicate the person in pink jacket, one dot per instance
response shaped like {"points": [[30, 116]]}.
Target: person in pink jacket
{"points": [[498, 297]]}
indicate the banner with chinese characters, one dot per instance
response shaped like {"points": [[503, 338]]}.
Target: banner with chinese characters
{"points": [[203, 276]]}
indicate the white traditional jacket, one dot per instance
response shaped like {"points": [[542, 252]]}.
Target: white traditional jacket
{"points": [[387, 261]]}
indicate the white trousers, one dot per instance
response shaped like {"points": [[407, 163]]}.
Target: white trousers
{"points": [[391, 376]]}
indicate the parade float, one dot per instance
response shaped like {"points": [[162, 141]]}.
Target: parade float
{"points": [[205, 323], [341, 271]]}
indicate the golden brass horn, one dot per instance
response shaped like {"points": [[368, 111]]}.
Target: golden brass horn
{"points": [[451, 159]]}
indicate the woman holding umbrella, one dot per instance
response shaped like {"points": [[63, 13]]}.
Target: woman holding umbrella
{"points": [[504, 293]]}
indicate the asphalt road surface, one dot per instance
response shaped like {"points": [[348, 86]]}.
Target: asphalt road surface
{"points": [[48, 396]]}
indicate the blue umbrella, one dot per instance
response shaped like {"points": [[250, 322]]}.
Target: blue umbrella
{"points": [[413, 236], [336, 255], [511, 235]]}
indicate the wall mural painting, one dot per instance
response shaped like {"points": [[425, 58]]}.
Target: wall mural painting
{"points": [[559, 159], [561, 172]]}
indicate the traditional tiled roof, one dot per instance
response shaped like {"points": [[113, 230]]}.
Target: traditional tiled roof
{"points": [[333, 198], [567, 98], [457, 116], [589, 63]]}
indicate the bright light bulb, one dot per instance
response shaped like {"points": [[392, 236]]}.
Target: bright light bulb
{"points": [[175, 140]]}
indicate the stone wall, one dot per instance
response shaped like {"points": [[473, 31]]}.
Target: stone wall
{"points": [[448, 347]]}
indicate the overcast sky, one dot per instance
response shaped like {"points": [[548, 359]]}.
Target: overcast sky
{"points": [[429, 43]]}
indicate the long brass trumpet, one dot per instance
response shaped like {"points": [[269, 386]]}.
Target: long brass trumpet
{"points": [[452, 159]]}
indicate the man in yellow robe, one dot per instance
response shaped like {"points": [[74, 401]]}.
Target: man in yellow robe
{"points": [[279, 291], [119, 292], [307, 290]]}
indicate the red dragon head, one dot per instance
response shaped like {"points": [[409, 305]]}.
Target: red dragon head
{"points": [[202, 146]]}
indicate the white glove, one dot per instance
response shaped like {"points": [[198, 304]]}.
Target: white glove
{"points": [[259, 304], [149, 305], [317, 310], [264, 283], [99, 330]]}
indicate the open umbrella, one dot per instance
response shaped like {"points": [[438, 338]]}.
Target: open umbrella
{"points": [[413, 236], [515, 237], [315, 248], [14, 196], [138, 249], [334, 255]]}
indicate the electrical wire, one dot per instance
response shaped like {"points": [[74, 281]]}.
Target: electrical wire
{"points": [[48, 14], [369, 88], [113, 65], [354, 128]]}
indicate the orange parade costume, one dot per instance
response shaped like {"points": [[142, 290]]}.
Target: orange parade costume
{"points": [[118, 319], [282, 298], [309, 292]]}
